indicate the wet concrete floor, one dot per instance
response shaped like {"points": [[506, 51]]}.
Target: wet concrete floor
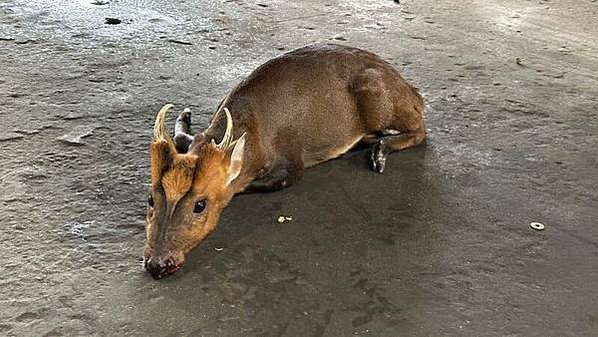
{"points": [[439, 245]]}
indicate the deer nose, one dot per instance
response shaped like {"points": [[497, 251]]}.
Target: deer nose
{"points": [[159, 268]]}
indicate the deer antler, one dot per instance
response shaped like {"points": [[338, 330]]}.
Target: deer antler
{"points": [[159, 126], [228, 134]]}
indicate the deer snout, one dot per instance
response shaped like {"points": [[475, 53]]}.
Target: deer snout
{"points": [[160, 267]]}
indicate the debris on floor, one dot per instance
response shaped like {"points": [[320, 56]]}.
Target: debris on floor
{"points": [[537, 226], [113, 21], [187, 43], [283, 219]]}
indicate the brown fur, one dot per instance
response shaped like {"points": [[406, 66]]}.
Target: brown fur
{"points": [[297, 110], [178, 181]]}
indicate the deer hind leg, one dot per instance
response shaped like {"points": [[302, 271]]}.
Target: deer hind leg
{"points": [[393, 140], [182, 139], [283, 174], [391, 111]]}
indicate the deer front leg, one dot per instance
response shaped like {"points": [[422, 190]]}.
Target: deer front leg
{"points": [[283, 174]]}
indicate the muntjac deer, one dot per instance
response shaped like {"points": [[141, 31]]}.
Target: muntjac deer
{"points": [[295, 111]]}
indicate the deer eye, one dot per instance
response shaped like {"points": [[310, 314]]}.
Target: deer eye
{"points": [[150, 201], [200, 206]]}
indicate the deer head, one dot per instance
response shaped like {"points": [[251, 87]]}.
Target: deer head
{"points": [[189, 189]]}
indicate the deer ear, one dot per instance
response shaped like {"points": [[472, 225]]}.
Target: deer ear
{"points": [[161, 154], [236, 159]]}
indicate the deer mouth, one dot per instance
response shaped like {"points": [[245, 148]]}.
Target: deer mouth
{"points": [[173, 269]]}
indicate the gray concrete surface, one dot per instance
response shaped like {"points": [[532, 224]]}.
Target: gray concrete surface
{"points": [[440, 245]]}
